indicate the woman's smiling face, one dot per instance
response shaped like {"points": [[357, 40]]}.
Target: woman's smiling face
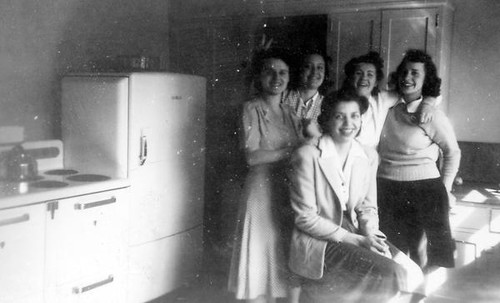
{"points": [[411, 80], [274, 76], [364, 79], [312, 72], [345, 121]]}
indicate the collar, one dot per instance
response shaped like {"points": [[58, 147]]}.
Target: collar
{"points": [[313, 98], [326, 145], [411, 107]]}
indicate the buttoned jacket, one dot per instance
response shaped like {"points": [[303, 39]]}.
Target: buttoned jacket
{"points": [[318, 192]]}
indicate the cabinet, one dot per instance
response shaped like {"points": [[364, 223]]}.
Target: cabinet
{"points": [[86, 248], [475, 229], [390, 31], [22, 254]]}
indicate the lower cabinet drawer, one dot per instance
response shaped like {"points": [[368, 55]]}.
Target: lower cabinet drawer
{"points": [[495, 220], [170, 262], [469, 217]]}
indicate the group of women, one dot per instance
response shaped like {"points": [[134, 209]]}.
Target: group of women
{"points": [[324, 169]]}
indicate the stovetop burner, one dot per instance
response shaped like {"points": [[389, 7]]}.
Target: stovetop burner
{"points": [[88, 178], [61, 172], [48, 184]]}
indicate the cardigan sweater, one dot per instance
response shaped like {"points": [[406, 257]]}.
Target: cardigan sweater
{"points": [[409, 152]]}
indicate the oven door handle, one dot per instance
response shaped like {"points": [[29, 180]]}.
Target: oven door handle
{"points": [[16, 220], [80, 206]]}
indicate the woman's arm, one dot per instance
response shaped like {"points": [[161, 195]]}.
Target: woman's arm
{"points": [[261, 156], [425, 112], [441, 132], [366, 210]]}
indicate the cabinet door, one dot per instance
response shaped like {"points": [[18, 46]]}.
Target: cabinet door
{"points": [[22, 254], [86, 244], [351, 35], [408, 28]]}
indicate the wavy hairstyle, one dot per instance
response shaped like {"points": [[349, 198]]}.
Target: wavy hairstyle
{"points": [[369, 58], [331, 101], [432, 83]]}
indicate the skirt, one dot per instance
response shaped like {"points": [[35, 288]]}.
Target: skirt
{"points": [[356, 274], [415, 217]]}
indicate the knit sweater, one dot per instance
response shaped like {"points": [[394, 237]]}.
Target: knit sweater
{"points": [[408, 152]]}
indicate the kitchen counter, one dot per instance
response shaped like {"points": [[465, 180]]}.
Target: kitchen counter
{"points": [[15, 194], [477, 193]]}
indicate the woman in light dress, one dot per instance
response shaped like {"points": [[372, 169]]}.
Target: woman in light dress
{"points": [[270, 133]]}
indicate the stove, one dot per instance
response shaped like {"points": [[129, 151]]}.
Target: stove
{"points": [[54, 181]]}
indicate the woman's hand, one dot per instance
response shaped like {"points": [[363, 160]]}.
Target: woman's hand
{"points": [[264, 45], [311, 129], [371, 242], [425, 112]]}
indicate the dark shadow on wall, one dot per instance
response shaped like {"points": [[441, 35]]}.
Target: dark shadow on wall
{"points": [[95, 33]]}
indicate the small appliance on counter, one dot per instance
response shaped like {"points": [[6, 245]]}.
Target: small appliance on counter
{"points": [[21, 166]]}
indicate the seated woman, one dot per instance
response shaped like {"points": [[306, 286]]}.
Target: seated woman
{"points": [[336, 244]]}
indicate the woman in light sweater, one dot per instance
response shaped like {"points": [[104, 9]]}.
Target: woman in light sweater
{"points": [[413, 193]]}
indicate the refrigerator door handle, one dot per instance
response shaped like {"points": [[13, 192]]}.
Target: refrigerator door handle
{"points": [[144, 150]]}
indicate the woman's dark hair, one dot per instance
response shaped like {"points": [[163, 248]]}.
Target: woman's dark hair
{"points": [[370, 58], [331, 101], [432, 83], [260, 58]]}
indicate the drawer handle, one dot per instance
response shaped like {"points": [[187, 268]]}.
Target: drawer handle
{"points": [[22, 218], [77, 290], [95, 204]]}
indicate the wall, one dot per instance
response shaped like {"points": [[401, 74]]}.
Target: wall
{"points": [[474, 103], [42, 40]]}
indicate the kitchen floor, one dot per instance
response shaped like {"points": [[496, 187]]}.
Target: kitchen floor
{"points": [[478, 282], [211, 286]]}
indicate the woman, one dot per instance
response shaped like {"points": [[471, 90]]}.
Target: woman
{"points": [[413, 193], [270, 132], [363, 74], [336, 244], [306, 98]]}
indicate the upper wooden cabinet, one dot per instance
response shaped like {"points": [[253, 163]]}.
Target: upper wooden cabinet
{"points": [[350, 35], [390, 31]]}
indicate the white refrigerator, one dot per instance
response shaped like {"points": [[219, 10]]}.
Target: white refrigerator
{"points": [[150, 128]]}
